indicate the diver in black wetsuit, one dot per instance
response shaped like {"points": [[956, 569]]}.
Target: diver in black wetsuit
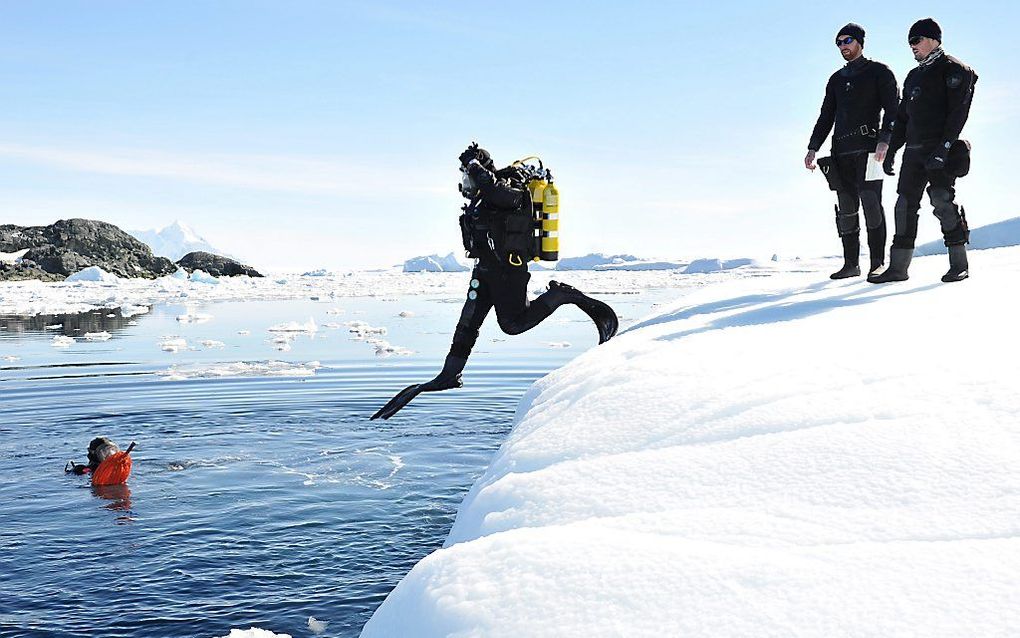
{"points": [[497, 229]]}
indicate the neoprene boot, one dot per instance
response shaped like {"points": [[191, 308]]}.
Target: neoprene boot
{"points": [[957, 264], [876, 249], [604, 317], [899, 263], [851, 258], [449, 376]]}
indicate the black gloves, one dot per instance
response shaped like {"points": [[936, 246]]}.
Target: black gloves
{"points": [[889, 162], [469, 154]]}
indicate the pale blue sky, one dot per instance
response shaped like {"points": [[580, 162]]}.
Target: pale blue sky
{"points": [[312, 134]]}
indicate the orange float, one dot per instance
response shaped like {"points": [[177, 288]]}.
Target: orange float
{"points": [[115, 470]]}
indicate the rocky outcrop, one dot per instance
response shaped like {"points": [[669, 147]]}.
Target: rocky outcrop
{"points": [[215, 265], [70, 245]]}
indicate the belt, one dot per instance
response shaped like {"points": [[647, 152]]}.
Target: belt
{"points": [[863, 130]]}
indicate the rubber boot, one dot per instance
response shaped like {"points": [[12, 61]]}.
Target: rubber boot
{"points": [[957, 264], [604, 317], [899, 263], [851, 258]]}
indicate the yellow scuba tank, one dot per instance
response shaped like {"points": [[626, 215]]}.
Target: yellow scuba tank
{"points": [[550, 217], [545, 201]]}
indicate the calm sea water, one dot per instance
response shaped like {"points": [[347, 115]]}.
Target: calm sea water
{"points": [[254, 500]]}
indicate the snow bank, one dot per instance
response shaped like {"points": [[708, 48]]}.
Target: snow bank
{"points": [[786, 456], [642, 265], [997, 235], [94, 273], [435, 263]]}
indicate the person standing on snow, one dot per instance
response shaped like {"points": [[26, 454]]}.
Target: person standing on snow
{"points": [[854, 97], [937, 95], [497, 230]]}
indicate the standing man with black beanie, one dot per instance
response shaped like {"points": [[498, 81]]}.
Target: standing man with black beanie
{"points": [[854, 97], [936, 102]]}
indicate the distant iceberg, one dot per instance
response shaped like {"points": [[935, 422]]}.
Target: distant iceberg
{"points": [[434, 263], [642, 265], [997, 235], [715, 265], [174, 241], [94, 273], [590, 261]]}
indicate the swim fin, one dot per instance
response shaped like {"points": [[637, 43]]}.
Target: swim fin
{"points": [[448, 379]]}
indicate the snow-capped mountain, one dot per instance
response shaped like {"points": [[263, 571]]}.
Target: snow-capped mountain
{"points": [[174, 241]]}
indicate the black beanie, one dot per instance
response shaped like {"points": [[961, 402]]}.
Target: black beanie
{"points": [[855, 30], [927, 28]]}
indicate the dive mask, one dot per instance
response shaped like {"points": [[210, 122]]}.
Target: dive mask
{"points": [[467, 186]]}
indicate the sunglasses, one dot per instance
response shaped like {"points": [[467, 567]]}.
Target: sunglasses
{"points": [[844, 42], [914, 41]]}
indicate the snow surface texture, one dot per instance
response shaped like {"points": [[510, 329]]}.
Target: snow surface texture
{"points": [[782, 456], [997, 235], [435, 263], [174, 241]]}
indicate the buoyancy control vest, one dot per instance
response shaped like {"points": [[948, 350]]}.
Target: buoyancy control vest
{"points": [[514, 236]]}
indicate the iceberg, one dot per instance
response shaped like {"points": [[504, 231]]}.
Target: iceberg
{"points": [[94, 273], [435, 263]]}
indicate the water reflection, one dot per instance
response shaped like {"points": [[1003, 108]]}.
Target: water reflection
{"points": [[120, 500], [72, 325]]}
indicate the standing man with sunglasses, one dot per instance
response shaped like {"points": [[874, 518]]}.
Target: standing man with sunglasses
{"points": [[936, 102], [854, 96]]}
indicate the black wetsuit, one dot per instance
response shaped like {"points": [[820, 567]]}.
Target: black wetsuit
{"points": [[935, 105], [498, 280], [854, 97]]}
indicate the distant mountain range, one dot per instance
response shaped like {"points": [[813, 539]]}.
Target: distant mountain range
{"points": [[174, 241]]}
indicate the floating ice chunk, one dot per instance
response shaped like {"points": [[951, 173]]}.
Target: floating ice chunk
{"points": [[97, 336], [254, 632], [180, 274], [559, 344], [320, 272], [212, 343], [332, 325], [293, 326], [335, 311], [244, 333], [193, 317], [112, 314], [60, 341], [202, 277], [172, 344], [405, 314], [361, 329], [131, 311], [10, 358], [55, 326], [94, 273], [385, 348], [317, 626]]}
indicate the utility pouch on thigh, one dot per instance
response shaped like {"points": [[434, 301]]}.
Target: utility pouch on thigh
{"points": [[831, 173], [958, 158]]}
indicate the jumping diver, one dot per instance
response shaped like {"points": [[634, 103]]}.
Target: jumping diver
{"points": [[497, 231]]}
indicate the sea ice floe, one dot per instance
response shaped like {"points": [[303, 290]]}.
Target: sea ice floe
{"points": [[55, 326], [335, 311], [97, 336], [10, 358], [385, 348], [212, 343], [190, 316], [173, 344], [361, 329], [254, 632], [405, 314], [244, 333], [60, 341], [317, 626], [559, 344], [202, 277], [131, 311], [293, 326], [240, 369]]}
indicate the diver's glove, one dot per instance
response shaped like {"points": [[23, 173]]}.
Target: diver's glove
{"points": [[448, 379], [889, 162], [469, 154], [936, 161]]}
